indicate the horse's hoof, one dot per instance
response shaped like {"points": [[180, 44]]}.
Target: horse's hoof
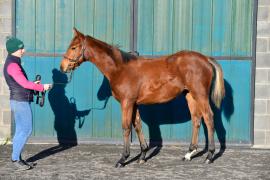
{"points": [[207, 161], [119, 165], [141, 161]]}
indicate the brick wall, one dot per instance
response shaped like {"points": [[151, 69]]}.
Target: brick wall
{"points": [[262, 83], [5, 30]]}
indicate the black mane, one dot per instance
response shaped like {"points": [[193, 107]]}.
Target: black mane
{"points": [[128, 56]]}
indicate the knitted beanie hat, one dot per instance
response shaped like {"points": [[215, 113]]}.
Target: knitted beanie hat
{"points": [[13, 44]]}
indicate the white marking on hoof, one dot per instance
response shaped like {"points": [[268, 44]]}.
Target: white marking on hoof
{"points": [[141, 161], [190, 154], [207, 161]]}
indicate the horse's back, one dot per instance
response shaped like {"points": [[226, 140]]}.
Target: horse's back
{"points": [[187, 56]]}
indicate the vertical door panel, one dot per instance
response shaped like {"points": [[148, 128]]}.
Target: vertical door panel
{"points": [[182, 25], [64, 23], [162, 35], [201, 29], [242, 27], [222, 28], [44, 117], [145, 27], [25, 23], [45, 14]]}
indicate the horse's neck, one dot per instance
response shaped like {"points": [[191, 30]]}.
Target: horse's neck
{"points": [[103, 57], [106, 66]]}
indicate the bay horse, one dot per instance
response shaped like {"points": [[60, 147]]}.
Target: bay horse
{"points": [[136, 80]]}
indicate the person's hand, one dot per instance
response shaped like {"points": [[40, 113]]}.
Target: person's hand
{"points": [[47, 87]]}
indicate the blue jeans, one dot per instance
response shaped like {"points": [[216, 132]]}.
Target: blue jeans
{"points": [[22, 115]]}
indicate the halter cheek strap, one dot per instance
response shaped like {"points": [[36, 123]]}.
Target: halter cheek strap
{"points": [[78, 62]]}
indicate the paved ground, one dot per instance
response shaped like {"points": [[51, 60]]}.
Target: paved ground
{"points": [[93, 161]]}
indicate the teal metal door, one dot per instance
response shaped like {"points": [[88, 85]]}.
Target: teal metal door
{"points": [[84, 108], [218, 28], [75, 110]]}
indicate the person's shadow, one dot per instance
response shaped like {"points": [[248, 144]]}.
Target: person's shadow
{"points": [[177, 112], [66, 114]]}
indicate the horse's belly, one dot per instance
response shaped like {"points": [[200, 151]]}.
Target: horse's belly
{"points": [[160, 95]]}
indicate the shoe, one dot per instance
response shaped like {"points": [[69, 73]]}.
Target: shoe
{"points": [[32, 164], [20, 166]]}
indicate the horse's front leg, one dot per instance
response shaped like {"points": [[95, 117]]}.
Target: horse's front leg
{"points": [[127, 111]]}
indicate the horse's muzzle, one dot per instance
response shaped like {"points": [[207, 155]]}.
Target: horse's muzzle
{"points": [[66, 67]]}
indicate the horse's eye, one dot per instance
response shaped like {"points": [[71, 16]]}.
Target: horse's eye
{"points": [[73, 48]]}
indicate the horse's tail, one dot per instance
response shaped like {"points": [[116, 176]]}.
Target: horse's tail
{"points": [[218, 89]]}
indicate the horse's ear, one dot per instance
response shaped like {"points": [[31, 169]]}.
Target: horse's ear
{"points": [[76, 32]]}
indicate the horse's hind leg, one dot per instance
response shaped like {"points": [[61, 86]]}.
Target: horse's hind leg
{"points": [[209, 122], [137, 124], [127, 111], [196, 121]]}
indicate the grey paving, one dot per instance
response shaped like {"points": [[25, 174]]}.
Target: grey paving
{"points": [[96, 161]]}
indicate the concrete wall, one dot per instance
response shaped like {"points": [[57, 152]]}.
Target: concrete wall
{"points": [[5, 30], [262, 83]]}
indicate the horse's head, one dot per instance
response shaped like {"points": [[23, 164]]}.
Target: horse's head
{"points": [[75, 53]]}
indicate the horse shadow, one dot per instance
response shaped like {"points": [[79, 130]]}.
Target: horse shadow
{"points": [[65, 113], [177, 112]]}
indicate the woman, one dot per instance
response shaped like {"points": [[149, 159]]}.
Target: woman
{"points": [[21, 95]]}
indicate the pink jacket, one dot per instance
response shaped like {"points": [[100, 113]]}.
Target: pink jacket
{"points": [[16, 73]]}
